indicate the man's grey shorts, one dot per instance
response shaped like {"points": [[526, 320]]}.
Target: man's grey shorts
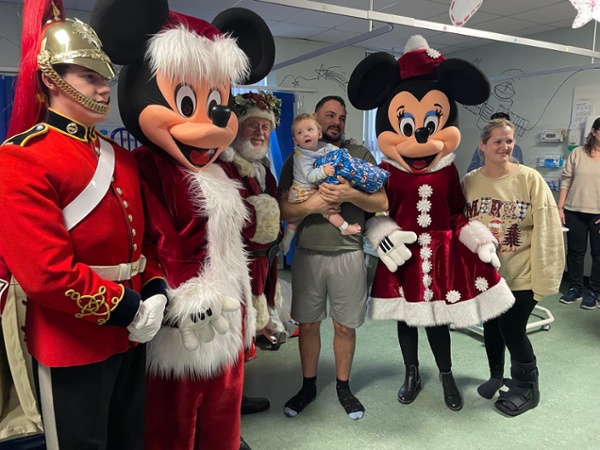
{"points": [[340, 275]]}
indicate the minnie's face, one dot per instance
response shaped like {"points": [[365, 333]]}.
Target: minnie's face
{"points": [[196, 127], [419, 138]]}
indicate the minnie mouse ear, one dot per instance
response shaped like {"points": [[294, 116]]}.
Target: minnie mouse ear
{"points": [[373, 80], [253, 37]]}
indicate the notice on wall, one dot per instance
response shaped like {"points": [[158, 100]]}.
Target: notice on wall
{"points": [[581, 111]]}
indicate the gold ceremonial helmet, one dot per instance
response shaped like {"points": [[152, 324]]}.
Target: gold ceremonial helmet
{"points": [[73, 42]]}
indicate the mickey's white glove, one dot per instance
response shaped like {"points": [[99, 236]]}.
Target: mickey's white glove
{"points": [[392, 250], [201, 326], [148, 319], [487, 254]]}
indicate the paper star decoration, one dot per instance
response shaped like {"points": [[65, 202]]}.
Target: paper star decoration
{"points": [[463, 10], [586, 11]]}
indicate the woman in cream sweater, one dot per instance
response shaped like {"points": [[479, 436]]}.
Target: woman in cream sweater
{"points": [[516, 203]]}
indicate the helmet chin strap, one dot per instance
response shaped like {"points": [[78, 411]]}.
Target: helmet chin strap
{"points": [[49, 71]]}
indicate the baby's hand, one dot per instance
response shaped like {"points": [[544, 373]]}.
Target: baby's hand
{"points": [[329, 170]]}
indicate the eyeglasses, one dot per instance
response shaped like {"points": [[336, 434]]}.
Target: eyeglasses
{"points": [[265, 128]]}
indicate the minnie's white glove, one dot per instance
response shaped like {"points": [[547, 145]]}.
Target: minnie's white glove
{"points": [[392, 249], [487, 254], [148, 319], [201, 326]]}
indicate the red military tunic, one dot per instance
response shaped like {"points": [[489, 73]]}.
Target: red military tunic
{"points": [[443, 282], [70, 308]]}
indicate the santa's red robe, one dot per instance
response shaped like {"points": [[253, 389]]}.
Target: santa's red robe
{"points": [[194, 397], [262, 231]]}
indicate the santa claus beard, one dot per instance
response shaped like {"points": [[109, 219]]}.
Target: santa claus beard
{"points": [[249, 151]]}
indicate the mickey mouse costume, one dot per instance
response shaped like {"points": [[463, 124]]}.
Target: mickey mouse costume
{"points": [[173, 96], [435, 267]]}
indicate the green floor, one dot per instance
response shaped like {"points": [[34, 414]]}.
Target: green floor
{"points": [[568, 416]]}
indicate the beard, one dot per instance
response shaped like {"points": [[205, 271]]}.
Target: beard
{"points": [[249, 151]]}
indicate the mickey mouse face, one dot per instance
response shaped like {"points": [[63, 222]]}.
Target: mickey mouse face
{"points": [[419, 136], [195, 126]]}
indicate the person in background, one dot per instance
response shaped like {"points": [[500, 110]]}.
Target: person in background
{"points": [[477, 160], [329, 264], [517, 200], [245, 161], [77, 251], [579, 211]]}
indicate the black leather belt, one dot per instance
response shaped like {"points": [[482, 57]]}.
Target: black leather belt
{"points": [[271, 252]]}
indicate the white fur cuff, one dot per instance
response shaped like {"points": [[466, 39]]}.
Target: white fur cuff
{"points": [[475, 234], [378, 228], [267, 218], [262, 313]]}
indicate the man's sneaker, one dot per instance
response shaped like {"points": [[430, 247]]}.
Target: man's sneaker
{"points": [[572, 295], [590, 300]]}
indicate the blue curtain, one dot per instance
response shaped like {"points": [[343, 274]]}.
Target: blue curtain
{"points": [[284, 142], [284, 130], [7, 91]]}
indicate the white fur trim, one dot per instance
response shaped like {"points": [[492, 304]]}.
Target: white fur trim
{"points": [[224, 272], [227, 154], [267, 218], [378, 228], [181, 54], [415, 42], [444, 162], [475, 234], [262, 313], [485, 306]]}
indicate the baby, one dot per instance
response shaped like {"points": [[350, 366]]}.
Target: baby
{"points": [[306, 133]]}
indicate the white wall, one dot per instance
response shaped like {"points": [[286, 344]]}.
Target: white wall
{"points": [[544, 101], [328, 74]]}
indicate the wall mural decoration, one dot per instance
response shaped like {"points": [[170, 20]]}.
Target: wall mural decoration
{"points": [[327, 73]]}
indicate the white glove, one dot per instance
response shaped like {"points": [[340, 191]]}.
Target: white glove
{"points": [[201, 326], [148, 319], [392, 250], [487, 254]]}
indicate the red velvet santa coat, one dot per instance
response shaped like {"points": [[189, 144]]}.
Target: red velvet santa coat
{"points": [[443, 282], [70, 308], [262, 231], [195, 219]]}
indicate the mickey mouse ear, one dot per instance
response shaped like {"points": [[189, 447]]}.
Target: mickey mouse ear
{"points": [[253, 37]]}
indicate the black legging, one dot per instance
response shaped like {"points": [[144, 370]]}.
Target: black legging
{"points": [[439, 341], [510, 330]]}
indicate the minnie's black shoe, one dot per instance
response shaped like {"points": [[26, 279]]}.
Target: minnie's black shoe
{"points": [[411, 387]]}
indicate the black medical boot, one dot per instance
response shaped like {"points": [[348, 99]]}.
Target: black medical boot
{"points": [[411, 387], [524, 392], [452, 396]]}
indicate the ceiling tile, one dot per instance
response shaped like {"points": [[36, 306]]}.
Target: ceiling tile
{"points": [[292, 30], [317, 18], [478, 17], [536, 29], [420, 9], [549, 13], [516, 6], [333, 35], [267, 11]]}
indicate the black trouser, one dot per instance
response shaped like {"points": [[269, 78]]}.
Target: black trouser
{"points": [[439, 341], [97, 406], [581, 225], [510, 330]]}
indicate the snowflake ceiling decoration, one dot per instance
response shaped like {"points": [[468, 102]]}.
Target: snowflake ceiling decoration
{"points": [[586, 11], [462, 10]]}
